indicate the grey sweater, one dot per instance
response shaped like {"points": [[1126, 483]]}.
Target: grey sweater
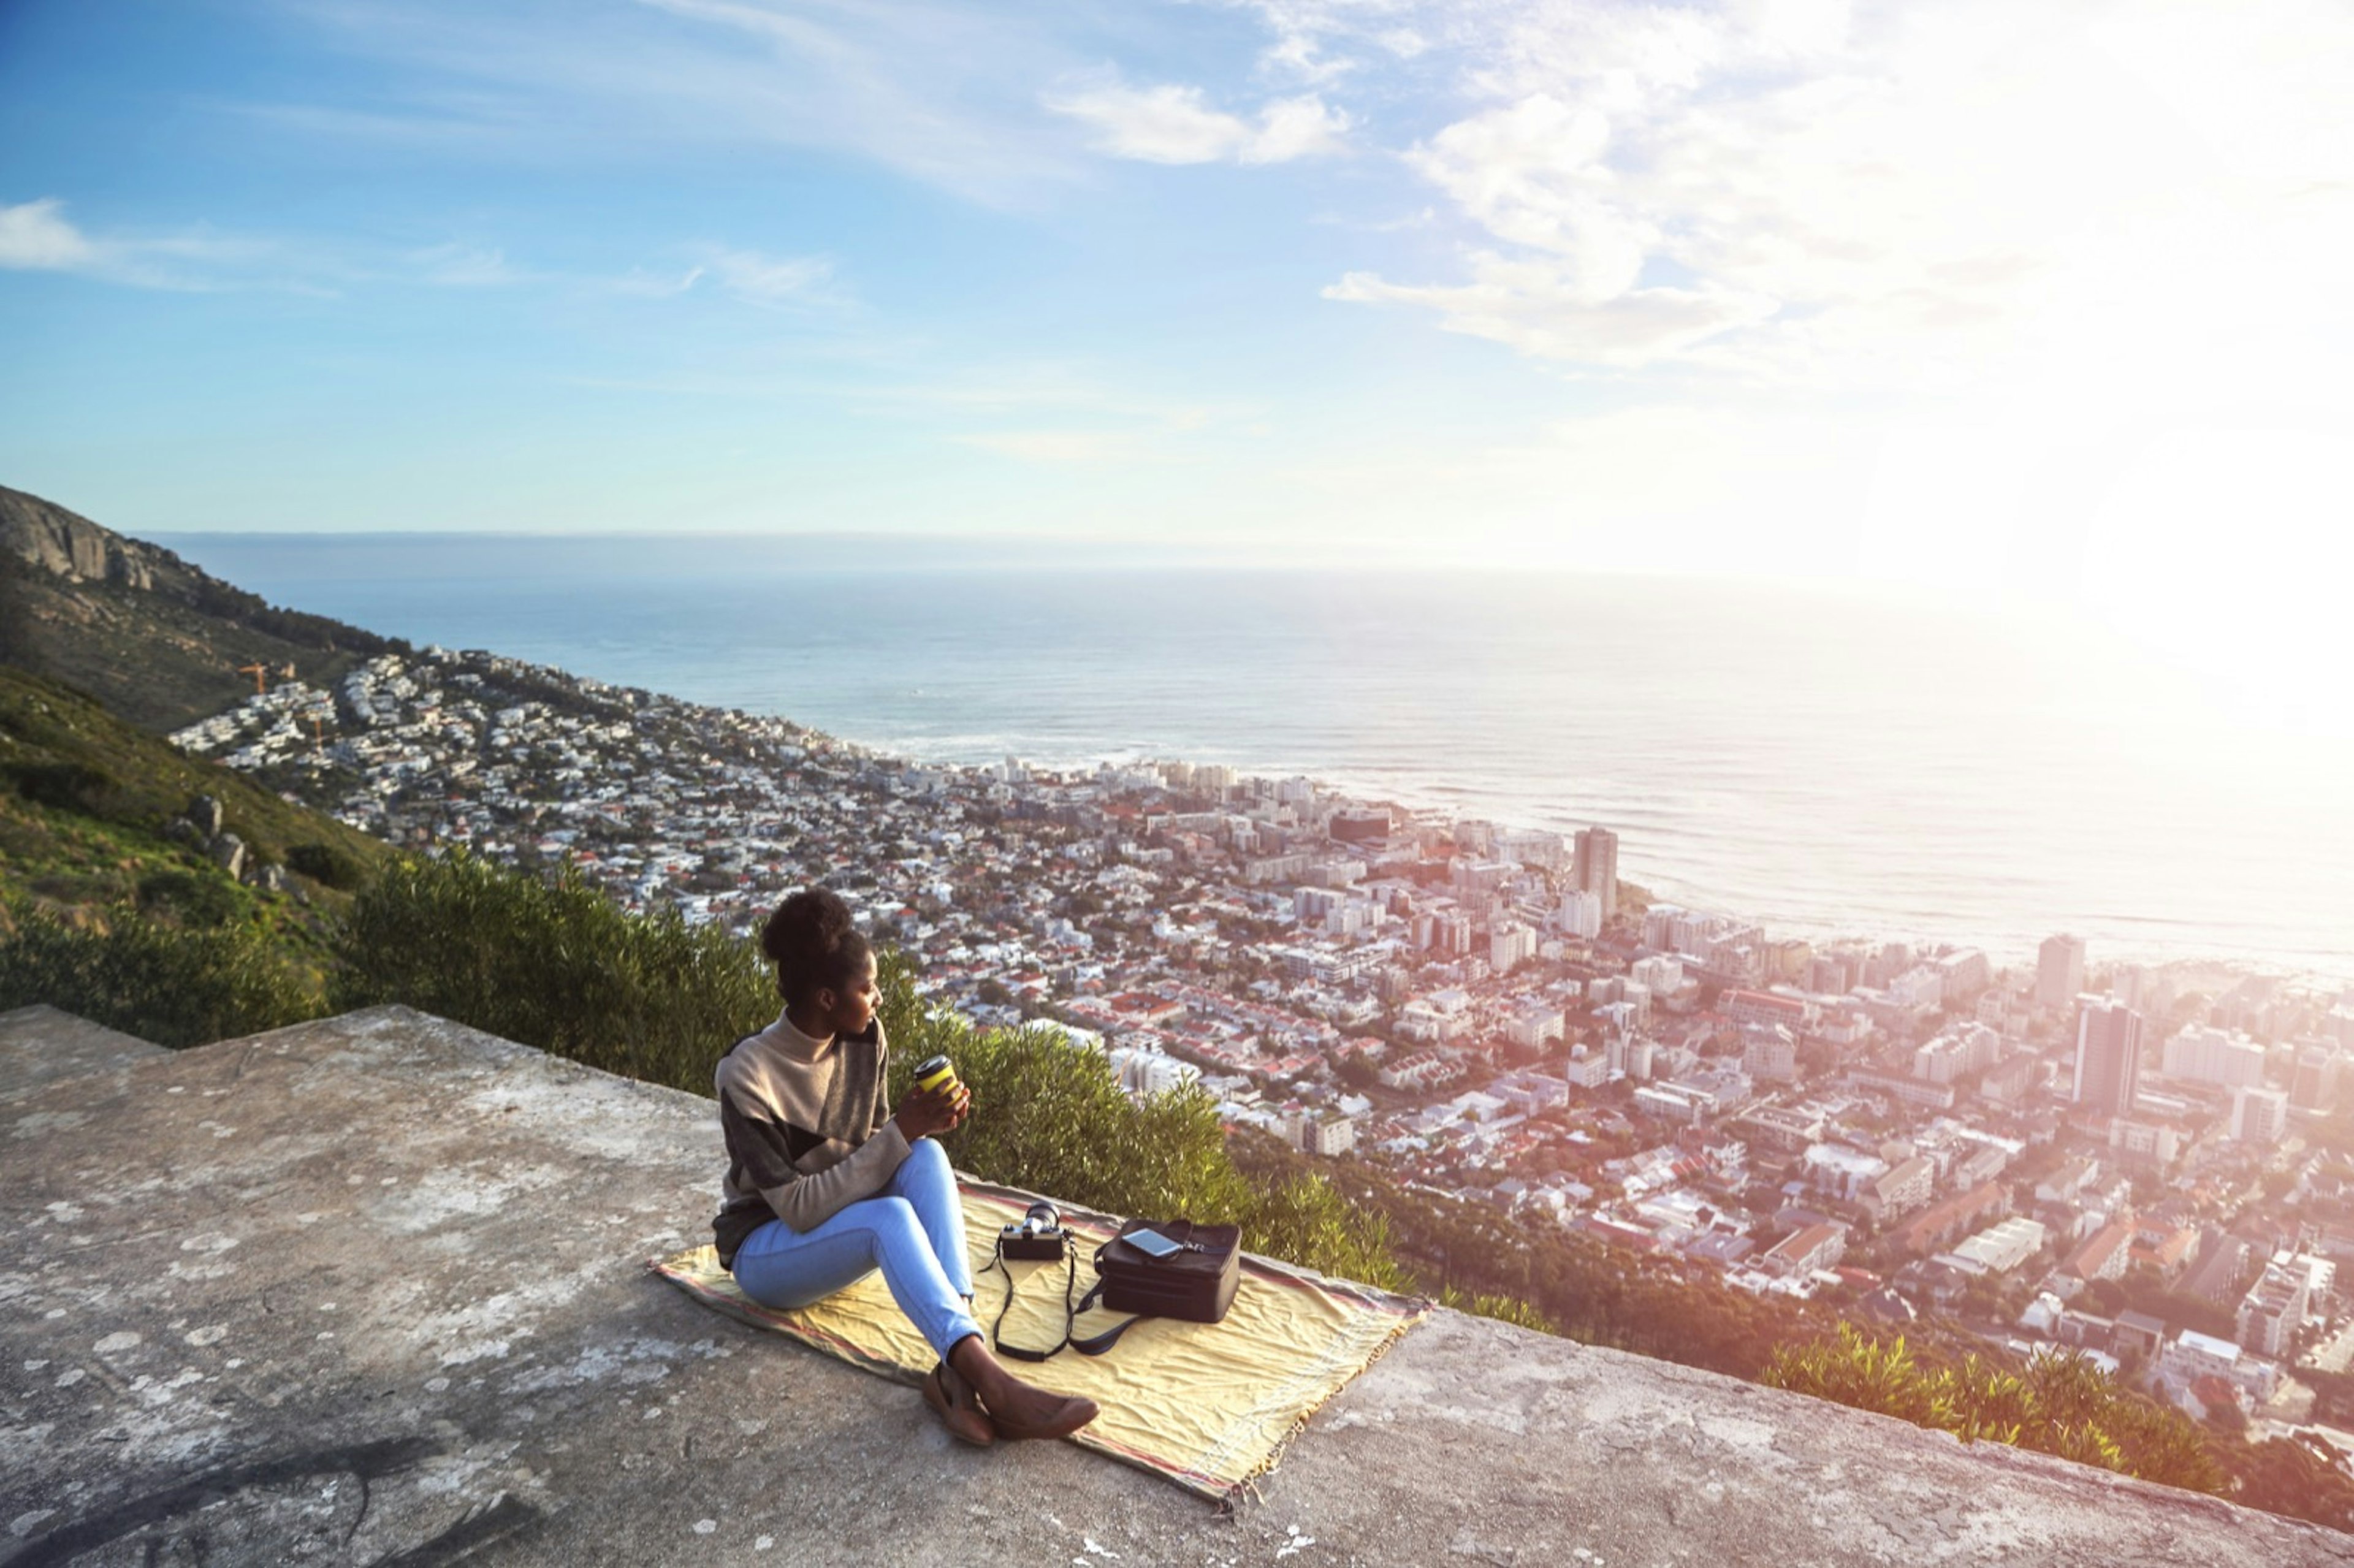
{"points": [[807, 1128]]}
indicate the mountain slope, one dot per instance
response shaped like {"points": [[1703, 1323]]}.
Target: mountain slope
{"points": [[87, 804], [158, 640]]}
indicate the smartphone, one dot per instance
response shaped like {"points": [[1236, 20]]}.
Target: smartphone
{"points": [[1152, 1241]]}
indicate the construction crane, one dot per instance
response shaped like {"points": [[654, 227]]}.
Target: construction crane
{"points": [[261, 672]]}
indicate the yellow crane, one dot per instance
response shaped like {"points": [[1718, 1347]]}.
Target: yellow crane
{"points": [[261, 672]]}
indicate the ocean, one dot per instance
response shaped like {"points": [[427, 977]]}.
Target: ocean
{"points": [[1830, 760]]}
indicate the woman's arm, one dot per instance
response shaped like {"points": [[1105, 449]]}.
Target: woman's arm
{"points": [[764, 1152]]}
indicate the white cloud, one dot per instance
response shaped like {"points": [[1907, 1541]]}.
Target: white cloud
{"points": [[1936, 200], [942, 91], [772, 279], [1175, 124], [36, 237], [1543, 309]]}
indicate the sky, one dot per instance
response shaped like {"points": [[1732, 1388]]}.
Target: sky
{"points": [[2037, 302]]}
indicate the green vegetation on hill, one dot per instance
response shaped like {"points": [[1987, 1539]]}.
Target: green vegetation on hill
{"points": [[86, 800], [152, 979], [105, 913], [552, 962], [2067, 1406], [2057, 1405]]}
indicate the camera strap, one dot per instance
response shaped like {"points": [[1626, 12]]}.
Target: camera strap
{"points": [[1094, 1345]]}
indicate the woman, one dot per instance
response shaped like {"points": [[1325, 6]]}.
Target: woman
{"points": [[824, 1185]]}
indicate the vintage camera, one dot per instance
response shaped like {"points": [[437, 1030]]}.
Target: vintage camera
{"points": [[1039, 1238]]}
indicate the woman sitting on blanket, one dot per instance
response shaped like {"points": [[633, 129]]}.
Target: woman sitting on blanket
{"points": [[824, 1185]]}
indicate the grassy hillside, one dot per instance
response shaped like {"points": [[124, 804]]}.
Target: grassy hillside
{"points": [[85, 802]]}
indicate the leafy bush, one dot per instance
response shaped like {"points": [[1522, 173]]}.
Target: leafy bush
{"points": [[553, 962], [196, 898], [1503, 1309], [2058, 1404], [1054, 1120], [2300, 1476], [327, 865], [160, 982], [66, 785]]}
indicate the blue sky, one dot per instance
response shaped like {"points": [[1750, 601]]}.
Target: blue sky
{"points": [[1984, 297]]}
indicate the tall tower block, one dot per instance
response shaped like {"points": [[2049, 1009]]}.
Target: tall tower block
{"points": [[2059, 972], [2108, 1057], [1596, 868]]}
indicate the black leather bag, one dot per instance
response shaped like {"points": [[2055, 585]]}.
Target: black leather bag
{"points": [[1195, 1283]]}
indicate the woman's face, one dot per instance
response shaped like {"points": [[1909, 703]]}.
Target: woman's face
{"points": [[854, 1009]]}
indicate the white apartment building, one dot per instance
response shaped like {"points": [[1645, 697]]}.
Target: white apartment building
{"points": [[2273, 1308], [1535, 1026], [1999, 1248], [2191, 1355], [1659, 972], [2259, 1116], [1579, 914], [1510, 945], [1973, 1048], [1586, 1069], [2204, 1055], [1769, 1053]]}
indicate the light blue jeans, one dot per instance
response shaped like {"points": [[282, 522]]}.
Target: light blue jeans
{"points": [[912, 1231]]}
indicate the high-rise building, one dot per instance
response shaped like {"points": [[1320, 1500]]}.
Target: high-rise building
{"points": [[2108, 1056], [2258, 1116], [1596, 870], [2315, 1087], [2059, 970]]}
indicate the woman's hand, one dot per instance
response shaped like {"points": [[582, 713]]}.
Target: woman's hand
{"points": [[929, 1111]]}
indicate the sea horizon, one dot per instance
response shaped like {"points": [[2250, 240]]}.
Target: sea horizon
{"points": [[1830, 760]]}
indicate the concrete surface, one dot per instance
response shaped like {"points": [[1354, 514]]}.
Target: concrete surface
{"points": [[371, 1292], [38, 1044]]}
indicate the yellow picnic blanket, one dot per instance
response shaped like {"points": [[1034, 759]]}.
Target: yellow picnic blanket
{"points": [[1209, 1406]]}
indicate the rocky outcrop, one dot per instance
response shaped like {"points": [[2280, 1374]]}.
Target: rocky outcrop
{"points": [[155, 638], [68, 544]]}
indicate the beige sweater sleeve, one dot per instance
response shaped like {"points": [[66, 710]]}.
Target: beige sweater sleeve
{"points": [[805, 1202]]}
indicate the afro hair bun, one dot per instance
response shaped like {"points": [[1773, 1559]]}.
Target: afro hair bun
{"points": [[814, 944]]}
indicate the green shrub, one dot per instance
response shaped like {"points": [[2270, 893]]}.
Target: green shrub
{"points": [[1503, 1309], [1051, 1119], [196, 898], [327, 865], [553, 962], [173, 986], [65, 786], [2058, 1404]]}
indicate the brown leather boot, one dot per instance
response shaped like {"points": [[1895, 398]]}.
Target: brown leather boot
{"points": [[953, 1400]]}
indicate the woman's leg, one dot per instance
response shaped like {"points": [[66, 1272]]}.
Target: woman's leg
{"points": [[784, 1269], [925, 1180]]}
